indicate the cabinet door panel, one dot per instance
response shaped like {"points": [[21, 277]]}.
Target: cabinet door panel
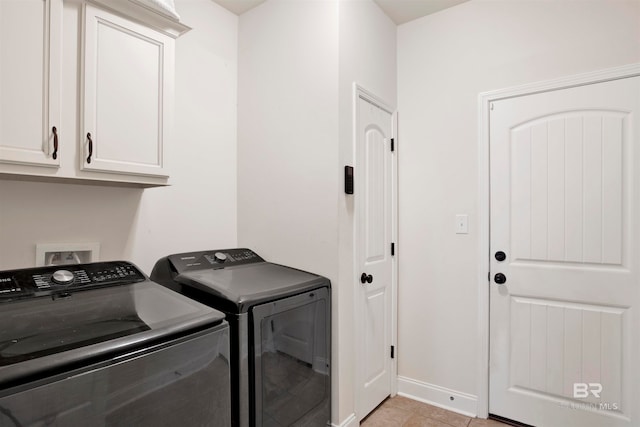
{"points": [[29, 81], [126, 95]]}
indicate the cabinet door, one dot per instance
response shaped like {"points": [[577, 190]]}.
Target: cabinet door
{"points": [[127, 95], [30, 52]]}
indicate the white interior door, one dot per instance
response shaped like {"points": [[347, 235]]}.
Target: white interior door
{"points": [[565, 206], [374, 206]]}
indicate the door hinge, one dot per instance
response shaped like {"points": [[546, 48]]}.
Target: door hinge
{"points": [[393, 249], [393, 144], [393, 352]]}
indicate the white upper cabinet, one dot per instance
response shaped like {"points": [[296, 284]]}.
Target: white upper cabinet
{"points": [[127, 95], [30, 52], [119, 57]]}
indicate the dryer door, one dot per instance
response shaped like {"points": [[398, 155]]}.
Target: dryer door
{"points": [[292, 360]]}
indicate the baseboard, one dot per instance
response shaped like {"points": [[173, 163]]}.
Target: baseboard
{"points": [[350, 421], [462, 403]]}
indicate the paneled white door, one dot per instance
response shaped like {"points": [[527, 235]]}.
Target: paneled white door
{"points": [[565, 211], [374, 206]]}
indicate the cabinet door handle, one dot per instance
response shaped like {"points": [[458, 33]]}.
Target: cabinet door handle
{"points": [[90, 147], [55, 143]]}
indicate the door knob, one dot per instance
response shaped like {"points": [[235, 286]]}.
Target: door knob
{"points": [[500, 256], [500, 278], [366, 278]]}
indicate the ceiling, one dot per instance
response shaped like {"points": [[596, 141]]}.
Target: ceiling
{"points": [[238, 6], [400, 11]]}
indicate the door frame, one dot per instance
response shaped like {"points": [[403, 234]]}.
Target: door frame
{"points": [[361, 92], [484, 215]]}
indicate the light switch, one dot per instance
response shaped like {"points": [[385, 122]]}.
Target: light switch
{"points": [[462, 224]]}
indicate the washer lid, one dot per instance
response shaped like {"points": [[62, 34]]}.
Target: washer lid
{"points": [[47, 333], [251, 284]]}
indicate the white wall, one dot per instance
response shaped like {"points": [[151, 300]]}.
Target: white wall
{"points": [[287, 133], [444, 61], [197, 212]]}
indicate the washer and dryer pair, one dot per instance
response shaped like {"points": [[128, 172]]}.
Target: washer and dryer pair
{"points": [[102, 345], [280, 328]]}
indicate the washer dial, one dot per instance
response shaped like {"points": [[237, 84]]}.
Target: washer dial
{"points": [[220, 257], [62, 277]]}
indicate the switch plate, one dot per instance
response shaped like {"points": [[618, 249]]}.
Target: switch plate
{"points": [[462, 224]]}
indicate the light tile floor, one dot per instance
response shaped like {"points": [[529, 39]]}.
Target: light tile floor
{"points": [[403, 412]]}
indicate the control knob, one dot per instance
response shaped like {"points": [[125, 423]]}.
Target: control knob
{"points": [[220, 257], [62, 277]]}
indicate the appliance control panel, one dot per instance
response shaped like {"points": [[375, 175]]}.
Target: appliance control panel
{"points": [[40, 281], [217, 258]]}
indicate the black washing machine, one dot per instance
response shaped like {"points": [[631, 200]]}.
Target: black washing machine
{"points": [[100, 345], [280, 332]]}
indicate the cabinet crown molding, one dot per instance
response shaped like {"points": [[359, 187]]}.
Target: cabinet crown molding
{"points": [[146, 13]]}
